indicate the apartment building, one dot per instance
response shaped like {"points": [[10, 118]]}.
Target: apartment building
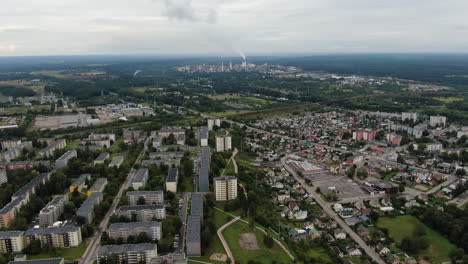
{"points": [[165, 132], [39, 261], [48, 151], [193, 239], [3, 176], [86, 209], [127, 253], [204, 136], [213, 122], [140, 179], [196, 206], [116, 161], [409, 116], [204, 161], [12, 241], [101, 158], [223, 143], [63, 160], [15, 152], [144, 213], [130, 135], [9, 211], [225, 188], [9, 144], [151, 197], [25, 165], [171, 180], [98, 186], [157, 141], [166, 155], [30, 187], [52, 211], [80, 182], [61, 236], [437, 121], [124, 230]]}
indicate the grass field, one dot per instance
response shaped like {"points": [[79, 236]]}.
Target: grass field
{"points": [[66, 253], [275, 112], [402, 226], [263, 255], [320, 254], [23, 109], [226, 96], [448, 100], [146, 88]]}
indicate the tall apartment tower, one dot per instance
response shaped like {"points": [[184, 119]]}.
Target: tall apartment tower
{"points": [[225, 188], [223, 143], [409, 115]]}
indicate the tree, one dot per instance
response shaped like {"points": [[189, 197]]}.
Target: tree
{"points": [[401, 187], [141, 201], [268, 241]]}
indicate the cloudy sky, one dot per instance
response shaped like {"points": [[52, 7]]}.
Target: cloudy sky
{"points": [[222, 27]]}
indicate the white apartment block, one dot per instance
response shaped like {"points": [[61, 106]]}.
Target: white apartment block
{"points": [[225, 188], [213, 122], [223, 143], [409, 116], [437, 121]]}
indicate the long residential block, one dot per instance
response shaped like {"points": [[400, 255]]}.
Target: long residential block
{"points": [[62, 236], [144, 213], [151, 197], [127, 253], [124, 230]]}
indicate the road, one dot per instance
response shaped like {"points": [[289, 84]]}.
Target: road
{"points": [[183, 218], [91, 251], [326, 207], [223, 241]]}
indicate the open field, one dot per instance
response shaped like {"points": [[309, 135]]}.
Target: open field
{"points": [[66, 253], [275, 112], [146, 88], [225, 96], [320, 254], [402, 226], [263, 255], [448, 99], [38, 88], [23, 109]]}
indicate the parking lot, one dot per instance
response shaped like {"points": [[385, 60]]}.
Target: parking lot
{"points": [[345, 187]]}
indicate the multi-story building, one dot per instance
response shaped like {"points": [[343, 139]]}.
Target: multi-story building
{"points": [[3, 176], [100, 140], [116, 161], [39, 261], [151, 197], [168, 162], [52, 211], [15, 152], [213, 122], [12, 241], [61, 236], [9, 211], [101, 136], [223, 143], [48, 151], [180, 139], [87, 208], [101, 158], [437, 121], [157, 141], [63, 160], [196, 207], [225, 188], [166, 155], [394, 139], [204, 136], [130, 135], [409, 116], [30, 187], [80, 182], [98, 186], [124, 230], [193, 239], [127, 253], [140, 179], [463, 132], [364, 135], [9, 144], [165, 132], [25, 165], [171, 180], [144, 213], [204, 170]]}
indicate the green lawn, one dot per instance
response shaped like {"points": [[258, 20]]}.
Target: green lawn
{"points": [[402, 226], [263, 255], [66, 253], [320, 254], [230, 169], [188, 185]]}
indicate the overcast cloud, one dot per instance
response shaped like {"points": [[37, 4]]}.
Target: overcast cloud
{"points": [[222, 27]]}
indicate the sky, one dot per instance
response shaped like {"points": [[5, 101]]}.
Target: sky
{"points": [[225, 27]]}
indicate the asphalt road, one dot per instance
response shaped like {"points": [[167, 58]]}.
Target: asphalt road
{"points": [[91, 252], [327, 208]]}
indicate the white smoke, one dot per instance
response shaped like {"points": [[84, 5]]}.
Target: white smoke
{"points": [[136, 73], [242, 55]]}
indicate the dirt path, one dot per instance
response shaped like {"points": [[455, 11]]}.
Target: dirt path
{"points": [[236, 218], [223, 241]]}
